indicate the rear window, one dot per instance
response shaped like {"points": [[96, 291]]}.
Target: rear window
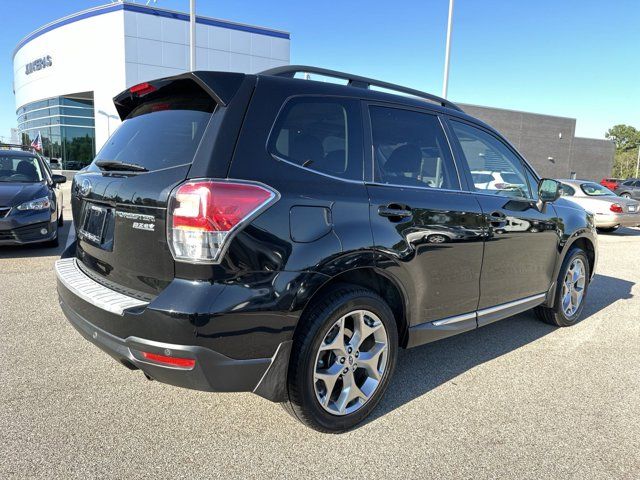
{"points": [[162, 132], [321, 134], [596, 190]]}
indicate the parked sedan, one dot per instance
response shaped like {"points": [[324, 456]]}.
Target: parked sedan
{"points": [[30, 201], [629, 189], [611, 211]]}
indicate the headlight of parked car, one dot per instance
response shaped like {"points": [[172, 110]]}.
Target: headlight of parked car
{"points": [[37, 204]]}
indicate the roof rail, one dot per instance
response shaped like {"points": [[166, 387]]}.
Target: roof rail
{"points": [[357, 81], [16, 146]]}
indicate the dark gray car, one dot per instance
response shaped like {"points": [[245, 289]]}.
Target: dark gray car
{"points": [[629, 189]]}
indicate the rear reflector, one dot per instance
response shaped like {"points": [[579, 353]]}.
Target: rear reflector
{"points": [[187, 363], [616, 208], [204, 215], [142, 88]]}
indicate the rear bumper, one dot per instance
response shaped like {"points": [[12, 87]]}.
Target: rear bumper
{"points": [[237, 343], [615, 219], [212, 372]]}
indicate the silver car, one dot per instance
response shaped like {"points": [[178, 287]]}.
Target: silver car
{"points": [[611, 211]]}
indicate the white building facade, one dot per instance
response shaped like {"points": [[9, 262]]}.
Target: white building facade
{"points": [[67, 72]]}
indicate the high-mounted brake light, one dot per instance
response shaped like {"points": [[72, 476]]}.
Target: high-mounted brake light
{"points": [[142, 88], [616, 208], [186, 363], [205, 214]]}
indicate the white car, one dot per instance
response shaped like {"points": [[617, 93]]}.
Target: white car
{"points": [[498, 181], [611, 211]]}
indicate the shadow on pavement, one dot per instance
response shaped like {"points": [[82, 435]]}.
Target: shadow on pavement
{"points": [[622, 232], [424, 368], [35, 250]]}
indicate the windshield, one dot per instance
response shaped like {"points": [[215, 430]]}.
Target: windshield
{"points": [[20, 169], [596, 190], [161, 133]]}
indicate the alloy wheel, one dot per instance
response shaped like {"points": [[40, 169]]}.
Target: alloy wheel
{"points": [[350, 362], [573, 287]]}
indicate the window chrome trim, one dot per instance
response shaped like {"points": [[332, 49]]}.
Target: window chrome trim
{"points": [[79, 283], [348, 180]]}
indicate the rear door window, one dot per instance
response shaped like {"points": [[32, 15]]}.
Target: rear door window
{"points": [[163, 132], [322, 134], [410, 149]]}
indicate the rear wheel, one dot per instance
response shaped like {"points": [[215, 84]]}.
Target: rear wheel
{"points": [[625, 195], [342, 359], [608, 229], [571, 291]]}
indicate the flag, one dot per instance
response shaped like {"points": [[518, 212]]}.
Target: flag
{"points": [[37, 142]]}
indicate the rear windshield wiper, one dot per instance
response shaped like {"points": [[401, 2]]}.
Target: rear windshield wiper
{"points": [[120, 166]]}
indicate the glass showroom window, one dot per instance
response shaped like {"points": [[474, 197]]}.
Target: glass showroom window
{"points": [[67, 127]]}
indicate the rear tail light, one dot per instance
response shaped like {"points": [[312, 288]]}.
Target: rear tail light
{"points": [[204, 215], [142, 88], [616, 208]]}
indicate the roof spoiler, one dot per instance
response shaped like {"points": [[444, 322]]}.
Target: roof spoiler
{"points": [[221, 86]]}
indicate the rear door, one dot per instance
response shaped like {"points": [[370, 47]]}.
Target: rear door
{"points": [[521, 246], [119, 203], [428, 232]]}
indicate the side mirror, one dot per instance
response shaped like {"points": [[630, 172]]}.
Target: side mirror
{"points": [[58, 179], [548, 190]]}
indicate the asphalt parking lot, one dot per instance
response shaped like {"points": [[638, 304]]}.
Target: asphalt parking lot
{"points": [[516, 399]]}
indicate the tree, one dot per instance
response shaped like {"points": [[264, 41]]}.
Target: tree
{"points": [[625, 137], [627, 141]]}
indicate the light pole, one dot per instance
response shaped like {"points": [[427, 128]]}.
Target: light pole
{"points": [[109, 117], [192, 35], [447, 53]]}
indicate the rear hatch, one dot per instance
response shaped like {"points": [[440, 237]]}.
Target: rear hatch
{"points": [[120, 202]]}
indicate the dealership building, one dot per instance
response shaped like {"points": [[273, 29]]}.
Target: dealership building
{"points": [[67, 72]]}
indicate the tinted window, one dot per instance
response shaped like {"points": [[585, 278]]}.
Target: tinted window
{"points": [[20, 169], [321, 134], [596, 190], [485, 154], [628, 183], [410, 149], [161, 133]]}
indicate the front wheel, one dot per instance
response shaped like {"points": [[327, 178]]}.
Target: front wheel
{"points": [[342, 359], [625, 195], [571, 291]]}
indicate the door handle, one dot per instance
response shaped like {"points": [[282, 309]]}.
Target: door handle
{"points": [[394, 211]]}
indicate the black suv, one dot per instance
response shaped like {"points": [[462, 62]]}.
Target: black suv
{"points": [[282, 236]]}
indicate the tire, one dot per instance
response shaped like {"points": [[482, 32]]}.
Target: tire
{"points": [[625, 195], [608, 229], [320, 328], [558, 315]]}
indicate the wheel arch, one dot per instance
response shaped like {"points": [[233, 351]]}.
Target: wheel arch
{"points": [[585, 243], [379, 282]]}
